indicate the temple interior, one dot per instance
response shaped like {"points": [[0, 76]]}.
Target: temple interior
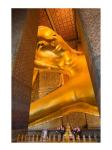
{"points": [[79, 30]]}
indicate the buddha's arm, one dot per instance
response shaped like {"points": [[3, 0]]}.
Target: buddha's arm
{"points": [[75, 91], [50, 103], [76, 107]]}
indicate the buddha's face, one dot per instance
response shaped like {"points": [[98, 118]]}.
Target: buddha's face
{"points": [[50, 53]]}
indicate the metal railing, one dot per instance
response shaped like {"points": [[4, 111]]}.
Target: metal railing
{"points": [[54, 136]]}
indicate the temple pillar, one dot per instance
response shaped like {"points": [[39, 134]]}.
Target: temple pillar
{"points": [[23, 71], [88, 29]]}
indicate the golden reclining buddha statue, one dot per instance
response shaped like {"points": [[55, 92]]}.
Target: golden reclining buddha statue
{"points": [[77, 94]]}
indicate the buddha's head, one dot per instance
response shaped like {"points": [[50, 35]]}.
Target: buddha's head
{"points": [[52, 51], [47, 33]]}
